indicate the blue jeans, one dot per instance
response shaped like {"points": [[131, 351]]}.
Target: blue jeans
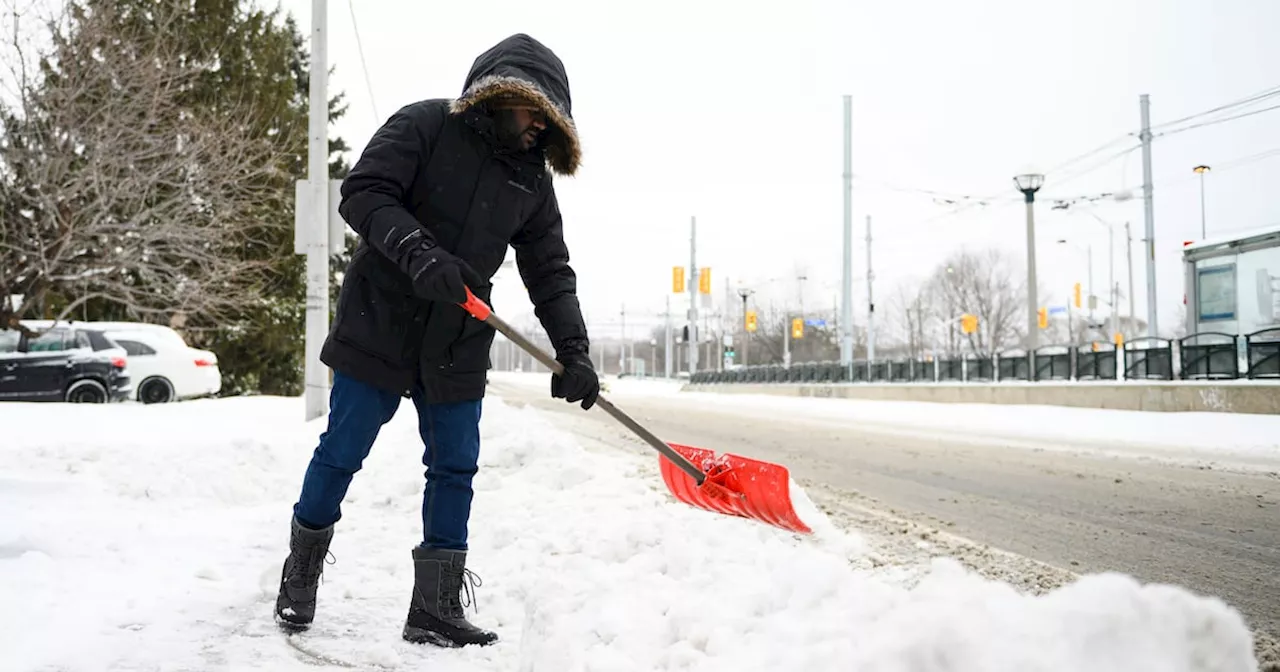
{"points": [[450, 434]]}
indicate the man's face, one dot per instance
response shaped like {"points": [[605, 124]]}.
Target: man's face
{"points": [[523, 124]]}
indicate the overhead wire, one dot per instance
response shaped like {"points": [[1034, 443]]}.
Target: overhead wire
{"points": [[363, 65], [964, 202], [1217, 121], [1248, 100]]}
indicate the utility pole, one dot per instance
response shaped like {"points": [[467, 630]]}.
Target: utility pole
{"points": [[667, 344], [846, 283], [1111, 280], [1149, 215], [315, 374], [692, 345], [724, 314], [871, 305], [1128, 255], [622, 352]]}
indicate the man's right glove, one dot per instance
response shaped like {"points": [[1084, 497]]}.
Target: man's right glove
{"points": [[438, 275], [579, 382]]}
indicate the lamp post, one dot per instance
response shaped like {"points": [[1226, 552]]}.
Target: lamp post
{"points": [[1201, 170], [1029, 184], [746, 338]]}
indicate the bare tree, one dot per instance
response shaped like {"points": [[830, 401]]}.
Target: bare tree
{"points": [[112, 188], [912, 313], [985, 284]]}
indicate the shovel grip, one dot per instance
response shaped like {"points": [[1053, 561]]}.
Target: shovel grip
{"points": [[481, 311]]}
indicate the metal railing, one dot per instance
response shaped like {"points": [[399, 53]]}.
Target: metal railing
{"points": [[1200, 356]]}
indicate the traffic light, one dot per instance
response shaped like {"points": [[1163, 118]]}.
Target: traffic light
{"points": [[1076, 291], [704, 280], [1044, 317], [1119, 339], [751, 320], [677, 279], [797, 328], [969, 323]]}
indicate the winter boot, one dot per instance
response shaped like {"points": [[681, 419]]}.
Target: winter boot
{"points": [[296, 603], [435, 612]]}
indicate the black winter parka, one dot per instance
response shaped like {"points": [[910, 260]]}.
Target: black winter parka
{"points": [[438, 166]]}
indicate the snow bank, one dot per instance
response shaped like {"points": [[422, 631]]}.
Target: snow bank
{"points": [[1243, 440], [1212, 434], [138, 537]]}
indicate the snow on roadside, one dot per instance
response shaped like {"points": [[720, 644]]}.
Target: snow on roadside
{"points": [[156, 533], [1254, 439]]}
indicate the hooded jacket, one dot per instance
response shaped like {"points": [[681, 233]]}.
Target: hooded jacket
{"points": [[438, 167]]}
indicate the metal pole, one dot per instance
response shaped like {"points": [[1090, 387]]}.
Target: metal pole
{"points": [[846, 284], [1129, 257], [1033, 322], [871, 304], [315, 373], [622, 352], [786, 339], [1093, 298], [667, 345], [1149, 215], [692, 345], [1203, 232], [1111, 280]]}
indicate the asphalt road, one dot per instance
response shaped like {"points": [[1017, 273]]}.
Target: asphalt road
{"points": [[1212, 531]]}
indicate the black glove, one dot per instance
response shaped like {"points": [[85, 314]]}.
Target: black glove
{"points": [[438, 275], [579, 381]]}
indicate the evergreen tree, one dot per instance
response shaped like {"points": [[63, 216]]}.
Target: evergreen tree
{"points": [[251, 63]]}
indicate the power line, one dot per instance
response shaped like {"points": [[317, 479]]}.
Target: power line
{"points": [[363, 66], [1257, 97], [1097, 150], [1218, 121]]}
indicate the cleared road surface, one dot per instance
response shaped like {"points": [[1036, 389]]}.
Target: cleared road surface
{"points": [[1213, 531]]}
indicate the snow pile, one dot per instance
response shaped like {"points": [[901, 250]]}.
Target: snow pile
{"points": [[138, 537]]}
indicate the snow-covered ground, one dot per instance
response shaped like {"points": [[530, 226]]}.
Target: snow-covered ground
{"points": [[1240, 440], [150, 538]]}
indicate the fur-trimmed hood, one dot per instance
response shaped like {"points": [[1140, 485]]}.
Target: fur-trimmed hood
{"points": [[523, 67]]}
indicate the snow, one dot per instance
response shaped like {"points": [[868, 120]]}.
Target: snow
{"points": [[1241, 440], [150, 537]]}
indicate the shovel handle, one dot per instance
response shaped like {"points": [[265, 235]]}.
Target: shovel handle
{"points": [[481, 311]]}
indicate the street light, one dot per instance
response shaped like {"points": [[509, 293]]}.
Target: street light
{"points": [[1029, 184], [1201, 170]]}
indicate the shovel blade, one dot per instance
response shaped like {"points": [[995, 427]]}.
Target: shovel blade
{"points": [[735, 486]]}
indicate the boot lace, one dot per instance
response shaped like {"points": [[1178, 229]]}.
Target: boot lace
{"points": [[459, 591], [309, 561]]}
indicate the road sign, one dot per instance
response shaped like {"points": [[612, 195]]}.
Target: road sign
{"points": [[1057, 310], [815, 322]]}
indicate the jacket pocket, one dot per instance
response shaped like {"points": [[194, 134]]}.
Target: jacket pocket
{"points": [[379, 320]]}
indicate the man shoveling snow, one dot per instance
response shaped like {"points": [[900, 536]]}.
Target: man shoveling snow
{"points": [[438, 194]]}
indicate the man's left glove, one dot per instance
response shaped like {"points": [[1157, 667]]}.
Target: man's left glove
{"points": [[579, 382]]}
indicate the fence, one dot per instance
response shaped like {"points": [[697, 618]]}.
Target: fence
{"points": [[1200, 356]]}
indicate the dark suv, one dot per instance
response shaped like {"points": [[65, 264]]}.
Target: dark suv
{"points": [[62, 364]]}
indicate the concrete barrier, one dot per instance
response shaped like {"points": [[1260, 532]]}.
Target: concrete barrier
{"points": [[1202, 396]]}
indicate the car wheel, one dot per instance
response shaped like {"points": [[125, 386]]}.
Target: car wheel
{"points": [[155, 391], [86, 392]]}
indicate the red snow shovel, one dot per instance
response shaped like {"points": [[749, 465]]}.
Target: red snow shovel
{"points": [[726, 483]]}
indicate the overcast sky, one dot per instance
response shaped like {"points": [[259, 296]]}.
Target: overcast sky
{"points": [[731, 112]]}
